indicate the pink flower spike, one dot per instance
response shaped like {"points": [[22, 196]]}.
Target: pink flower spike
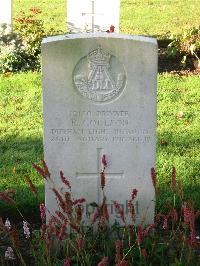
{"points": [[140, 235], [7, 224], [95, 215], [144, 253], [119, 210], [26, 230], [153, 177], [62, 232], [104, 161], [148, 229], [42, 211], [80, 243], [186, 213], [64, 180], [67, 262], [192, 236], [165, 222], [118, 247], [112, 28], [103, 262], [122, 263], [79, 201], [134, 194], [9, 254]]}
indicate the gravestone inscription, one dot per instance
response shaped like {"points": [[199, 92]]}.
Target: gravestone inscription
{"points": [[99, 98], [92, 15]]}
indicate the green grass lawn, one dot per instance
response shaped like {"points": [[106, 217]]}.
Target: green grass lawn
{"points": [[159, 18], [21, 136]]}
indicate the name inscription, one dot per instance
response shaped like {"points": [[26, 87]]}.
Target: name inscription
{"points": [[99, 126]]}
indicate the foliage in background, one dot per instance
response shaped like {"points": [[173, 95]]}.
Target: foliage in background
{"points": [[67, 240], [11, 50], [31, 31], [53, 12], [186, 44], [32, 27], [155, 18], [20, 51]]}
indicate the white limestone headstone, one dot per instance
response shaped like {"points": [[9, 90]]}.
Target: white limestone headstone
{"points": [[6, 12], [99, 98], [92, 15]]}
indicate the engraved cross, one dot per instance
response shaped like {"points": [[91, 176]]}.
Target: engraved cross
{"points": [[92, 15], [100, 167]]}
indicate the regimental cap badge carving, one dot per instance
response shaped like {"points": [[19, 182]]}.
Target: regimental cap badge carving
{"points": [[99, 76], [99, 57]]}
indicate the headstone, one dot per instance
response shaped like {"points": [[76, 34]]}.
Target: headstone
{"points": [[92, 15], [6, 12], [99, 98]]}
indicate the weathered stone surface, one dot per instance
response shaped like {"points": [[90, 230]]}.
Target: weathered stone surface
{"points": [[92, 15], [99, 98]]}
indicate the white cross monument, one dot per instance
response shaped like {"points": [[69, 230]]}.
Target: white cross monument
{"points": [[6, 12], [92, 15]]}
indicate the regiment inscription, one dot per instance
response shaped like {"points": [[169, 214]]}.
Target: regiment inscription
{"points": [[107, 126]]}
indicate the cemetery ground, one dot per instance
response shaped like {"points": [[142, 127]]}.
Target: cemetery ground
{"points": [[178, 111]]}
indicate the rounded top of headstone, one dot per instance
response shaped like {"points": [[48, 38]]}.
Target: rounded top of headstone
{"points": [[100, 35]]}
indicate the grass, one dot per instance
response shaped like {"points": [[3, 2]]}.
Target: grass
{"points": [[178, 137], [159, 18], [21, 136]]}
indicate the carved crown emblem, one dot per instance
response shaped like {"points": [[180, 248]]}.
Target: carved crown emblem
{"points": [[95, 76], [99, 57]]}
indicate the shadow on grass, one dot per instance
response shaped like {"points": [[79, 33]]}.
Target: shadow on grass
{"points": [[168, 63], [26, 203], [165, 197], [165, 200], [179, 149], [17, 156], [182, 151], [177, 143], [15, 151]]}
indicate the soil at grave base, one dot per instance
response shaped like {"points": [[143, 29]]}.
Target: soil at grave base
{"points": [[173, 64]]}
